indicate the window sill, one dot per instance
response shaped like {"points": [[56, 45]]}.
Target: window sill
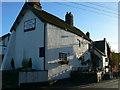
{"points": [[63, 62]]}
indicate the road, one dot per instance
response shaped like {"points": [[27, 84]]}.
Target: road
{"points": [[70, 85], [110, 84], [102, 84]]}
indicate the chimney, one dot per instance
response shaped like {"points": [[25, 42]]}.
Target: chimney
{"points": [[69, 18], [88, 34], [35, 3], [104, 39]]}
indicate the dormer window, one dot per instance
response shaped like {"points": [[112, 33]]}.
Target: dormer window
{"points": [[29, 25]]}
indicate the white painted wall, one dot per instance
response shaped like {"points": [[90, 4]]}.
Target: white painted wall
{"points": [[27, 44], [106, 63], [58, 40]]}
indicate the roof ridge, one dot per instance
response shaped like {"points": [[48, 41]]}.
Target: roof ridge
{"points": [[52, 19], [58, 22]]}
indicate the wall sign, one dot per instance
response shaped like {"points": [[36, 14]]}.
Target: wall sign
{"points": [[30, 25]]}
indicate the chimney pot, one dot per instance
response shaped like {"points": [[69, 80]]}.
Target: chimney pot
{"points": [[88, 34], [69, 18], [104, 39], [35, 3]]}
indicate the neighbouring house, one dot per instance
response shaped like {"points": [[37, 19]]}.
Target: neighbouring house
{"points": [[44, 43], [103, 62], [3, 45]]}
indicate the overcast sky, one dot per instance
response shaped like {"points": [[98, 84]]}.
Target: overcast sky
{"points": [[98, 18]]}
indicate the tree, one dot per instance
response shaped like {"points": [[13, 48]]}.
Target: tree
{"points": [[114, 57]]}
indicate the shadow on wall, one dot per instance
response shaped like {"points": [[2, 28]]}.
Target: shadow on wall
{"points": [[59, 70], [53, 56]]}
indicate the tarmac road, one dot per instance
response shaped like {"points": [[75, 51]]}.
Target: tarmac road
{"points": [[70, 85], [102, 84]]}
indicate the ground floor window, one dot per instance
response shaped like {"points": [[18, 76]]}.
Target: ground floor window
{"points": [[62, 56]]}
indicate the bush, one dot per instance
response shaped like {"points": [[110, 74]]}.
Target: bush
{"points": [[30, 63], [119, 73], [25, 63]]}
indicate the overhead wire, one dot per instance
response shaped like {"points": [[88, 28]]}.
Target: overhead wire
{"points": [[106, 11], [92, 11], [103, 6]]}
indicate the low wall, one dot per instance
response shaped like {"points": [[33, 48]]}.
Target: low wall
{"points": [[10, 79], [85, 77], [59, 72], [33, 77]]}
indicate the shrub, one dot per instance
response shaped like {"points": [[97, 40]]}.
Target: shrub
{"points": [[30, 63], [25, 63]]}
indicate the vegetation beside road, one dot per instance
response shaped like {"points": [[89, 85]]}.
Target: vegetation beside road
{"points": [[115, 61]]}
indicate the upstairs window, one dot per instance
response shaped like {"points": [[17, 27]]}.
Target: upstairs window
{"points": [[62, 56], [106, 60], [88, 46], [42, 52], [79, 44], [29, 25]]}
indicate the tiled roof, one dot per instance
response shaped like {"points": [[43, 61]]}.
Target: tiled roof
{"points": [[99, 51], [4, 36], [47, 17], [100, 45]]}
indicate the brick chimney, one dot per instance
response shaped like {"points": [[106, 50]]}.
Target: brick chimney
{"points": [[69, 18], [35, 3], [88, 34]]}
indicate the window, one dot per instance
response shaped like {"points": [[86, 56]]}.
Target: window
{"points": [[106, 60], [78, 42], [62, 56], [8, 38], [3, 42], [42, 52], [29, 25], [88, 46]]}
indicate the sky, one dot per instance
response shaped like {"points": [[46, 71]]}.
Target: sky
{"points": [[98, 18]]}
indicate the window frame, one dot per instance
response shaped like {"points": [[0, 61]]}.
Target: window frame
{"points": [[79, 42], [42, 52], [30, 29], [62, 56], [106, 60]]}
